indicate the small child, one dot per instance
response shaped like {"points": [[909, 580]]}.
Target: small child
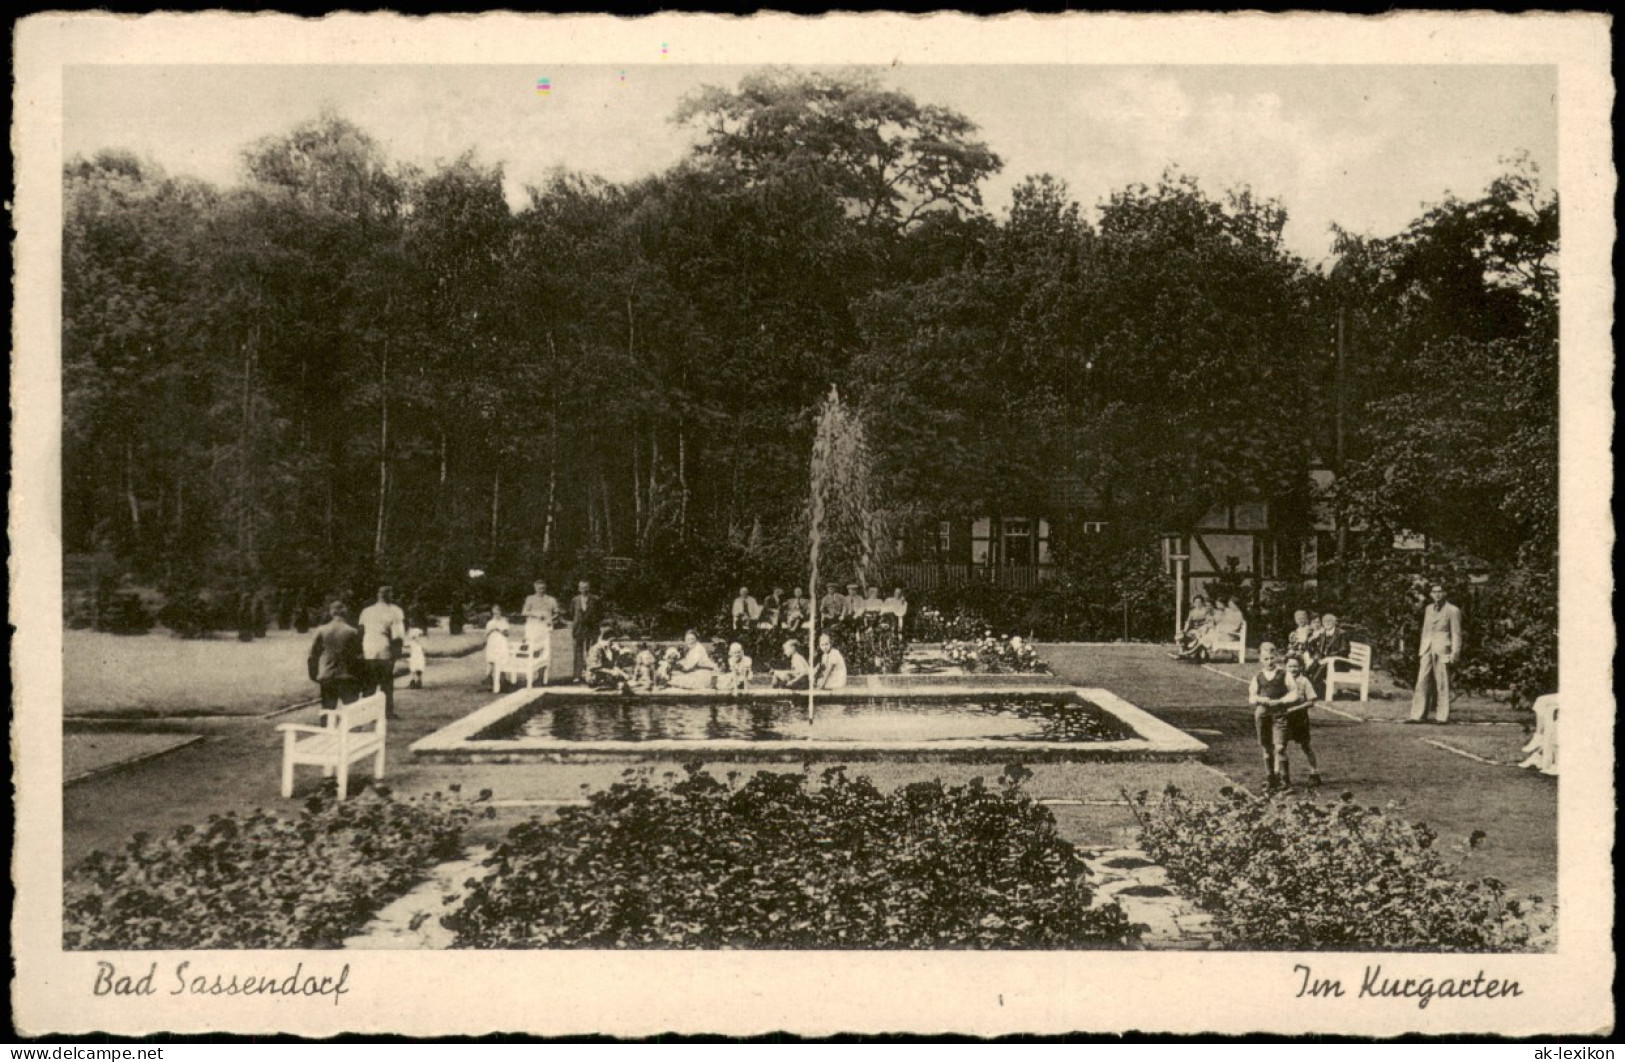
{"points": [[667, 661], [496, 643], [416, 656], [643, 668], [736, 677]]}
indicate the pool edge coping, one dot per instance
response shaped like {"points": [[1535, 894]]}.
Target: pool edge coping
{"points": [[456, 740]]}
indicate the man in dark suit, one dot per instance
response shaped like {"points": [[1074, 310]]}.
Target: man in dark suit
{"points": [[336, 662], [586, 616]]}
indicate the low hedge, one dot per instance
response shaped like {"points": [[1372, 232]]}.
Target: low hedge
{"points": [[262, 881], [776, 862], [1305, 874]]}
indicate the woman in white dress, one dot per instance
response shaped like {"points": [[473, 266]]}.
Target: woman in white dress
{"points": [[694, 670]]}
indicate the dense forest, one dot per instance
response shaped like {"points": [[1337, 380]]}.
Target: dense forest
{"points": [[344, 368]]}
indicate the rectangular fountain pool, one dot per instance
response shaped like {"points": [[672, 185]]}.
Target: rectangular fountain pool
{"points": [[1035, 723]]}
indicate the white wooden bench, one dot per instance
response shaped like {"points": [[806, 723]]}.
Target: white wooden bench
{"points": [[349, 733], [1230, 643], [1358, 672], [524, 662]]}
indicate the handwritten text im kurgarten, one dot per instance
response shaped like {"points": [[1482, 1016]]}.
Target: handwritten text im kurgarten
{"points": [[1422, 989]]}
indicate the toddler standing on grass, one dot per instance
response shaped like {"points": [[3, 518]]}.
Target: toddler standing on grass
{"points": [[417, 658]]}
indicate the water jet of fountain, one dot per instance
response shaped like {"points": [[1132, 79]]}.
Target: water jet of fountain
{"points": [[841, 524]]}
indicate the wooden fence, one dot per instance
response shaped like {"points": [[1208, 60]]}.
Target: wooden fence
{"points": [[927, 576]]}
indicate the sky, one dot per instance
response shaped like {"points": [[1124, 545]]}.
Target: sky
{"points": [[1366, 147]]}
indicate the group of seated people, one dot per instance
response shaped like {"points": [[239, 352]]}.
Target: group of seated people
{"points": [[1312, 642], [778, 612], [692, 667], [1209, 628], [1315, 643]]}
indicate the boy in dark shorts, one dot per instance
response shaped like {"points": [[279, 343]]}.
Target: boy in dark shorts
{"points": [[1295, 726]]}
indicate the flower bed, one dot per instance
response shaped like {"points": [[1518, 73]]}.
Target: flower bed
{"points": [[262, 881], [1306, 874], [995, 656], [774, 862]]}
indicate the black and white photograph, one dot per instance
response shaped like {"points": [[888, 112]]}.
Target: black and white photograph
{"points": [[851, 524]]}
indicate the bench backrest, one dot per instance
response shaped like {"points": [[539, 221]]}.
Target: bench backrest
{"points": [[365, 712], [1360, 653]]}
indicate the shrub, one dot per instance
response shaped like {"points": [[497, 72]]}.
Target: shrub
{"points": [[126, 613], [955, 623], [1307, 874], [261, 881], [188, 614], [774, 862]]}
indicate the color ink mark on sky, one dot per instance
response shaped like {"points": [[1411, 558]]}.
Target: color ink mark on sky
{"points": [[662, 49], [623, 77], [544, 85]]}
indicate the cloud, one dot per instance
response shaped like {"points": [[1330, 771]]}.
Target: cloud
{"points": [[1137, 124]]}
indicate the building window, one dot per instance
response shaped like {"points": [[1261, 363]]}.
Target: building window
{"points": [[981, 540], [1094, 527], [1018, 540], [945, 538]]}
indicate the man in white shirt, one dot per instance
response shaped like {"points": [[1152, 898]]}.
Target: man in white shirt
{"points": [[745, 609], [383, 627]]}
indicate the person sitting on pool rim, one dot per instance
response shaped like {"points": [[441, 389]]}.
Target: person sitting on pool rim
{"points": [[603, 668], [694, 670], [830, 673], [799, 673]]}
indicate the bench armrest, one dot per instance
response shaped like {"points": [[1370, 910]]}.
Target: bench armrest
{"points": [[304, 728]]}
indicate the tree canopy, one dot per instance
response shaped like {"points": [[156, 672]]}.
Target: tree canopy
{"points": [[343, 366]]}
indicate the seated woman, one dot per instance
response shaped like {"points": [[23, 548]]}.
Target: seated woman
{"points": [[1302, 636], [831, 671], [1197, 621], [1221, 634], [873, 603], [799, 673], [795, 612], [735, 677], [771, 609], [694, 670]]}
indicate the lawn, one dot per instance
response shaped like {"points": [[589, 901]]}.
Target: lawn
{"points": [[159, 675]]}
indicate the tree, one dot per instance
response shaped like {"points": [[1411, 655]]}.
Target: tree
{"points": [[889, 159]]}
